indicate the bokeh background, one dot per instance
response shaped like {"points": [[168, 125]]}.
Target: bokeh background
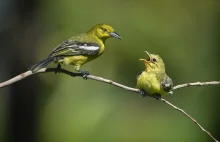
{"points": [[58, 108]]}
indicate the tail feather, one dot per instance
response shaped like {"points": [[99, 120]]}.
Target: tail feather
{"points": [[39, 65]]}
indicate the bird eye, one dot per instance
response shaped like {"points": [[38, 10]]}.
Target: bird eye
{"points": [[154, 60], [104, 29]]}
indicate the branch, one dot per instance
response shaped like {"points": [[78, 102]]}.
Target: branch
{"points": [[186, 114], [196, 84], [29, 73], [100, 79]]}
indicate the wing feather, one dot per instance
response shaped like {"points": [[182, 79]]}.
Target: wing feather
{"points": [[73, 48], [167, 84]]}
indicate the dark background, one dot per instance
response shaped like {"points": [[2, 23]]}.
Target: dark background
{"points": [[55, 107]]}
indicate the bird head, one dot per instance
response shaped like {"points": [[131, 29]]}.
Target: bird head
{"points": [[154, 63], [104, 31]]}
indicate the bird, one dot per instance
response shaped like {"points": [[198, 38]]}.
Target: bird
{"points": [[79, 49], [154, 81]]}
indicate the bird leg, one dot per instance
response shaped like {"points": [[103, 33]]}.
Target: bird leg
{"points": [[144, 94], [58, 68], [84, 73]]}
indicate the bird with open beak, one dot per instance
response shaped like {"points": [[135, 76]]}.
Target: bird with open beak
{"points": [[153, 81]]}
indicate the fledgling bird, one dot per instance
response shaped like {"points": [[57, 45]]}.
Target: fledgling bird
{"points": [[153, 81], [79, 49]]}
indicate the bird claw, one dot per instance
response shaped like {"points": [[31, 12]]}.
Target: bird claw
{"points": [[156, 96], [84, 74], [142, 93], [58, 69]]}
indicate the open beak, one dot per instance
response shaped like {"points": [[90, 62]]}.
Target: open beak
{"points": [[115, 35], [149, 56], [146, 61]]}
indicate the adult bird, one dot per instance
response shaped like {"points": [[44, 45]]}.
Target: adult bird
{"points": [[79, 49], [153, 81]]}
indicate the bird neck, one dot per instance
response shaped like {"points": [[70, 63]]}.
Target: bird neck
{"points": [[154, 70], [94, 34], [102, 39]]}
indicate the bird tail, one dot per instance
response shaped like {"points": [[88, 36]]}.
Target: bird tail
{"points": [[41, 64]]}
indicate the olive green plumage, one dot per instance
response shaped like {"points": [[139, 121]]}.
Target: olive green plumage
{"points": [[154, 80], [79, 49]]}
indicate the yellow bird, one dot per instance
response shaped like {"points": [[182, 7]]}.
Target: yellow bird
{"points": [[153, 81], [79, 49]]}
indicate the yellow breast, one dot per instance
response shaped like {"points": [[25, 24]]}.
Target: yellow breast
{"points": [[102, 46], [149, 83]]}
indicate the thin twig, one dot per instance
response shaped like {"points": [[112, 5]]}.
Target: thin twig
{"points": [[29, 73], [196, 84], [186, 114], [100, 79]]}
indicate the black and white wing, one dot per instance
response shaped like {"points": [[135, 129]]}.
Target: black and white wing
{"points": [[73, 48]]}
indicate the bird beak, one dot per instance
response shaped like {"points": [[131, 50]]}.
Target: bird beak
{"points": [[115, 35], [149, 56], [146, 61]]}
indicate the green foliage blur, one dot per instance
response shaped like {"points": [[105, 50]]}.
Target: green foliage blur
{"points": [[184, 33]]}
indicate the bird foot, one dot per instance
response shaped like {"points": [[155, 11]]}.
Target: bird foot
{"points": [[84, 74], [142, 93], [156, 96], [58, 68]]}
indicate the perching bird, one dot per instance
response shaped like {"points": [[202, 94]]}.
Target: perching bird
{"points": [[79, 49], [153, 81]]}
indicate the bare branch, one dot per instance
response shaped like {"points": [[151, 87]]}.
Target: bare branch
{"points": [[45, 70], [196, 84], [29, 73], [100, 79], [16, 78], [186, 114]]}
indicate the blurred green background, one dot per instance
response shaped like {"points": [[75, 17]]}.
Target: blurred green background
{"points": [[57, 108]]}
